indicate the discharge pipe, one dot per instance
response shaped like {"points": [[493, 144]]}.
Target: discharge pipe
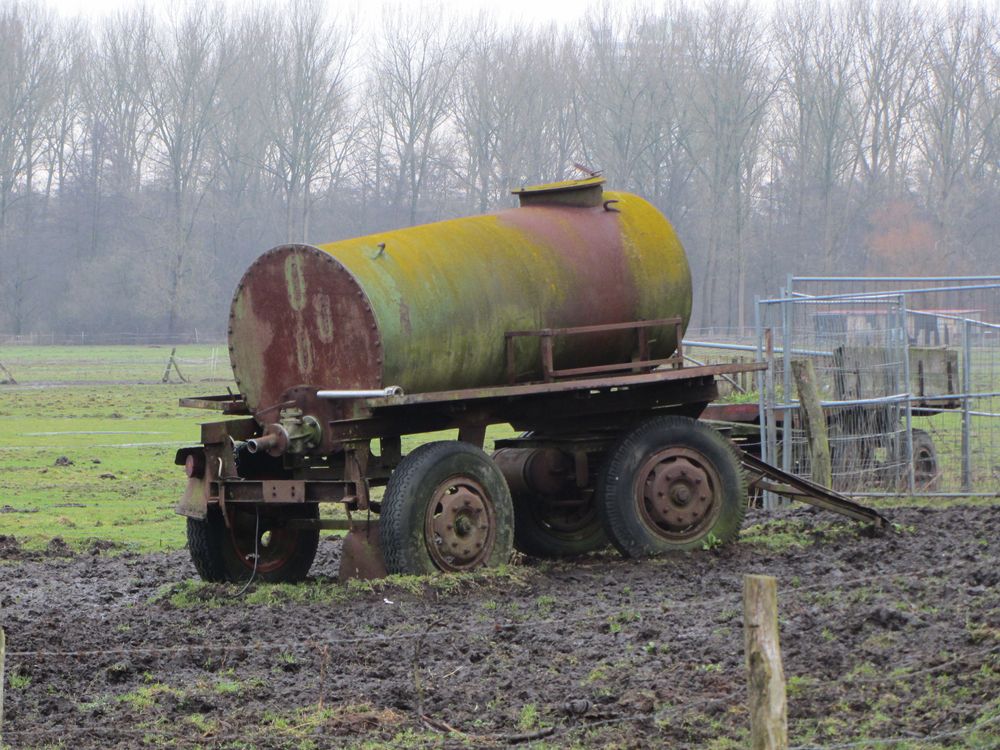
{"points": [[392, 390]]}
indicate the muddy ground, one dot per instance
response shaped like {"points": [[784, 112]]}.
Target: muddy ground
{"points": [[882, 637]]}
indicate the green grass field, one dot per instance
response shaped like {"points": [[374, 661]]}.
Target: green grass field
{"points": [[73, 404], [104, 410], [88, 436]]}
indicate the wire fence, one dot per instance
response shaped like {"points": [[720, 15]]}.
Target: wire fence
{"points": [[30, 366], [908, 373], [112, 338]]}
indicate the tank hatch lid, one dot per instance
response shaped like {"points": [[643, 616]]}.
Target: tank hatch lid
{"points": [[584, 193]]}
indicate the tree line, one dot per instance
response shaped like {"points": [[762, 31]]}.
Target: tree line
{"points": [[146, 160]]}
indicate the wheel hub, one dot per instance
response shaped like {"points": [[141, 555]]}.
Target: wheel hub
{"points": [[677, 491], [273, 546], [459, 525]]}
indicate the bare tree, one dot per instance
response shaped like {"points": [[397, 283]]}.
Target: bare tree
{"points": [[483, 105], [183, 74], [412, 76], [816, 110], [116, 90], [616, 94], [956, 112], [890, 48], [29, 59], [144, 161], [729, 86], [304, 103]]}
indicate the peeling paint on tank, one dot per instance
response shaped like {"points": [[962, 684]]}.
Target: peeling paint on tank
{"points": [[304, 350], [404, 318], [429, 311], [295, 282], [247, 366], [323, 318]]}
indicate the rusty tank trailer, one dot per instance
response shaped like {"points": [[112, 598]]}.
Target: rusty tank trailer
{"points": [[427, 308], [563, 318]]}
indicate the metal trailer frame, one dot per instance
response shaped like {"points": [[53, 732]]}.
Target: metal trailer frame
{"points": [[321, 441]]}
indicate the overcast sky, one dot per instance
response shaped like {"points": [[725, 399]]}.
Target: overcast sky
{"points": [[534, 11]]}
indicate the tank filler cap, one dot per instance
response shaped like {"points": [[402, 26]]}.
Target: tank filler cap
{"points": [[586, 193]]}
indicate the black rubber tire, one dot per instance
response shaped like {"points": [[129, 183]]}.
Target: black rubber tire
{"points": [[412, 487], [926, 474], [205, 540], [293, 550], [534, 533], [622, 505]]}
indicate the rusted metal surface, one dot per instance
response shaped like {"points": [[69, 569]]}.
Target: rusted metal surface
{"points": [[193, 503], [639, 360], [460, 525], [562, 406], [230, 403], [564, 316], [299, 316], [581, 193], [264, 535], [743, 413], [543, 471], [528, 406], [235, 429], [767, 477], [688, 374], [283, 492], [426, 308], [361, 554], [681, 491], [558, 481]]}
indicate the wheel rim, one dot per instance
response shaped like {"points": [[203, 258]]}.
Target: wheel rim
{"points": [[275, 544], [460, 525], [678, 492]]}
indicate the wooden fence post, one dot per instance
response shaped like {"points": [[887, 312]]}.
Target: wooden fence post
{"points": [[9, 379], [172, 362], [765, 675], [813, 422]]}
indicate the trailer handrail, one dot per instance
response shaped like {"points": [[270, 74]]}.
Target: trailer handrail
{"points": [[641, 361]]}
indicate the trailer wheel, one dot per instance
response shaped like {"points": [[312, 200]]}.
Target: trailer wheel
{"points": [[544, 530], [284, 554], [446, 508], [926, 476], [205, 539], [671, 484]]}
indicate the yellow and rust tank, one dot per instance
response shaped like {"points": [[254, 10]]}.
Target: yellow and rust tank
{"points": [[426, 308]]}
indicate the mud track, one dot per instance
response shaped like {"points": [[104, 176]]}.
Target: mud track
{"points": [[882, 637]]}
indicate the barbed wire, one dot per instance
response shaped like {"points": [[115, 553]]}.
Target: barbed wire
{"points": [[661, 608], [655, 717], [557, 731], [661, 715]]}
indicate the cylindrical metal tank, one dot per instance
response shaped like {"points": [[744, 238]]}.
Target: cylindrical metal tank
{"points": [[426, 308]]}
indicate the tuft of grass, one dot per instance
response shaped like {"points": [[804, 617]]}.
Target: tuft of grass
{"points": [[528, 718], [146, 696], [194, 594], [781, 535]]}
